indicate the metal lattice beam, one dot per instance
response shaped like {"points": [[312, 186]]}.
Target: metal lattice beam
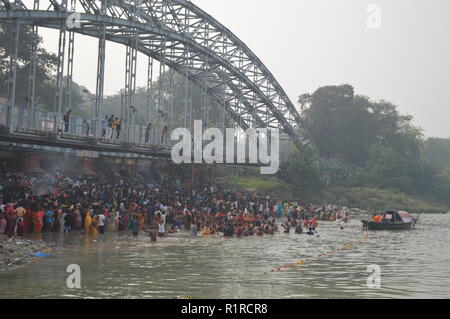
{"points": [[173, 31]]}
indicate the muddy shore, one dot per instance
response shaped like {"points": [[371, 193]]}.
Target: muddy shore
{"points": [[20, 251]]}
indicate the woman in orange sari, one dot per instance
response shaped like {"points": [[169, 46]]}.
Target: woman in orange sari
{"points": [[141, 219]]}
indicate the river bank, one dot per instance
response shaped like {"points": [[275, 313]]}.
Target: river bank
{"points": [[20, 251], [363, 198]]}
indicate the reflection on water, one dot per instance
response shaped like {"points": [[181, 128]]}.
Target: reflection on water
{"points": [[414, 264]]}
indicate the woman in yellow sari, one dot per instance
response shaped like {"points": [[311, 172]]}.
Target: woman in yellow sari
{"points": [[87, 222]]}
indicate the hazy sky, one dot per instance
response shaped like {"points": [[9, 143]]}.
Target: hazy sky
{"points": [[311, 43]]}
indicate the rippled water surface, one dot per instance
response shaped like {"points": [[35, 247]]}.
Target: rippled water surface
{"points": [[414, 264]]}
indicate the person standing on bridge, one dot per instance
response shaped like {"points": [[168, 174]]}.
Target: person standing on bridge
{"points": [[67, 121], [118, 126], [104, 126], [147, 132], [165, 130], [110, 124]]}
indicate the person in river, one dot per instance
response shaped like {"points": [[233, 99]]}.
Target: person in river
{"points": [[38, 221], [193, 230], [68, 221], [135, 226], [49, 220], [87, 222], [228, 231], [287, 226], [202, 208], [93, 230], [77, 218], [153, 234], [101, 222], [2, 222], [161, 229]]}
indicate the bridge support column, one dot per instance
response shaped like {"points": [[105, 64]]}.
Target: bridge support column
{"points": [[31, 98], [32, 163], [100, 75], [12, 74], [130, 166], [130, 87], [88, 166]]}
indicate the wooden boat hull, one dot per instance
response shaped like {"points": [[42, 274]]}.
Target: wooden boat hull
{"points": [[387, 226]]}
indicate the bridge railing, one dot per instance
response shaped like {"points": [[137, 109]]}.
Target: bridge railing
{"points": [[36, 122]]}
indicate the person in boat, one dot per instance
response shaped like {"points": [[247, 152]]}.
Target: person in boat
{"points": [[377, 218]]}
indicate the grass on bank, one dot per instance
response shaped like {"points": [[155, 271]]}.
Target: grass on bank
{"points": [[371, 199]]}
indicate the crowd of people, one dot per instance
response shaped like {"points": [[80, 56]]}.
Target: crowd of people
{"points": [[96, 204]]}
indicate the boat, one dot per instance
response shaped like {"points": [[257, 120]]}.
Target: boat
{"points": [[391, 220]]}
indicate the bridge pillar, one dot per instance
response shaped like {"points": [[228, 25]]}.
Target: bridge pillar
{"points": [[88, 166], [131, 166], [32, 163]]}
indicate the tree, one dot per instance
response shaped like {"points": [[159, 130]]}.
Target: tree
{"points": [[437, 151], [345, 126], [45, 66], [299, 170]]}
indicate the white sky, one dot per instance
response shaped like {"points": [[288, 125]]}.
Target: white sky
{"points": [[311, 43]]}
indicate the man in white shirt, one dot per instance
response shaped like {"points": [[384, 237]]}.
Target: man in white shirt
{"points": [[101, 223]]}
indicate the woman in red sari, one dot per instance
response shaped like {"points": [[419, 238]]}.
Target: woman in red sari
{"points": [[28, 220], [38, 221]]}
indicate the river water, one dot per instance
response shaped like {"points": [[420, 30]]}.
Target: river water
{"points": [[414, 264]]}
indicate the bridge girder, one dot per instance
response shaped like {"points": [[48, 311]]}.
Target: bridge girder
{"points": [[199, 47]]}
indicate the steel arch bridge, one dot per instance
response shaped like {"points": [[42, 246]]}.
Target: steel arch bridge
{"points": [[177, 34]]}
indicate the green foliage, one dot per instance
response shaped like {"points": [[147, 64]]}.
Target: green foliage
{"points": [[387, 168], [437, 151], [373, 199], [345, 126], [45, 65], [45, 69], [299, 170], [374, 144], [267, 186]]}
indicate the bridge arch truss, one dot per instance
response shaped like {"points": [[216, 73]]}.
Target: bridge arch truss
{"points": [[183, 37]]}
